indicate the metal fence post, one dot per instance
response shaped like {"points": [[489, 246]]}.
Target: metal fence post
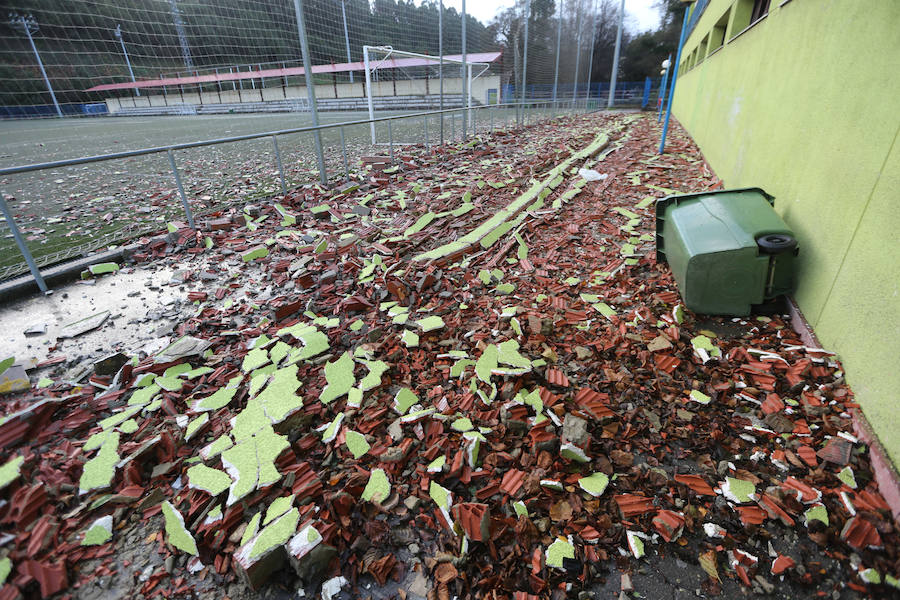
{"points": [[344, 152], [184, 201], [390, 141], [310, 90], [615, 67], [558, 37], [441, 63], [280, 168], [20, 242], [525, 53], [425, 122]]}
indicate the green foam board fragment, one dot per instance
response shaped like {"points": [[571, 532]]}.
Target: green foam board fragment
{"points": [[332, 429], [462, 424], [216, 447], [594, 484], [508, 354], [698, 396], [5, 569], [321, 246], [459, 367], [485, 276], [635, 544], [356, 443], [314, 341], [179, 536], [816, 513], [487, 363], [129, 426], [143, 395], [372, 379], [516, 326], [356, 325], [278, 507], [252, 529], [604, 309], [354, 397], [505, 288], [557, 551], [278, 399], [218, 399], [573, 452], [242, 465], [420, 224], [100, 532], [10, 471], [255, 253], [520, 508], [409, 338], [211, 481], [431, 323], [437, 465], [738, 490], [170, 384], [103, 268], [275, 534], [378, 488], [44, 382], [404, 400], [340, 378], [194, 373], [441, 496], [254, 359], [845, 475], [195, 426]]}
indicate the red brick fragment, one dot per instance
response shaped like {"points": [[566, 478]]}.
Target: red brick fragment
{"points": [[696, 483], [631, 505], [669, 524]]}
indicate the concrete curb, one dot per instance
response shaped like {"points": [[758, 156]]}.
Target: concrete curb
{"points": [[886, 474], [25, 285]]}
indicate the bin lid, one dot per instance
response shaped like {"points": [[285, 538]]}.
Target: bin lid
{"points": [[718, 221]]}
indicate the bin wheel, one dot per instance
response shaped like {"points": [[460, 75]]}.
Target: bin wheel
{"points": [[776, 243]]}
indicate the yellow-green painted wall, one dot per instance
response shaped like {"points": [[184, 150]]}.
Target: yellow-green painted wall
{"points": [[806, 104]]}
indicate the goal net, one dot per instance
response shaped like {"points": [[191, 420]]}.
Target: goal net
{"points": [[398, 80]]}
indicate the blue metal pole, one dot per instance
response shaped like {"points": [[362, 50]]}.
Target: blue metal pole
{"points": [[645, 100], [662, 92], [674, 67]]}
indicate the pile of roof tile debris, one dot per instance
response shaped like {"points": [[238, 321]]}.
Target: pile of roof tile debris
{"points": [[464, 374]]}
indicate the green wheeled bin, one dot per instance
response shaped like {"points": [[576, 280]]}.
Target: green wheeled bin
{"points": [[727, 249]]}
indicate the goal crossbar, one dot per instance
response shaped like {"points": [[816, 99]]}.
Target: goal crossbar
{"points": [[473, 70]]}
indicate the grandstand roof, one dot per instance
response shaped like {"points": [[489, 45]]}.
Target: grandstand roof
{"points": [[388, 63]]}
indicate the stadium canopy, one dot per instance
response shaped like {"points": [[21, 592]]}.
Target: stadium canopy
{"points": [[388, 63]]}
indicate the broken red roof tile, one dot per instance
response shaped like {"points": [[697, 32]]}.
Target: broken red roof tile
{"points": [[631, 505], [696, 483], [557, 378]]}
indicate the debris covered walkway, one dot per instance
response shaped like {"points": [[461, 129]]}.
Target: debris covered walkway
{"points": [[461, 376]]}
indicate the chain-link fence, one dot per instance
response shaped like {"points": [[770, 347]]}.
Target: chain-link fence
{"points": [[225, 69]]}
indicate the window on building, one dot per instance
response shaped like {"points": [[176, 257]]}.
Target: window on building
{"points": [[760, 9], [745, 13], [717, 35]]}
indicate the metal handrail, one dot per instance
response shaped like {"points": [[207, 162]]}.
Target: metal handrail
{"points": [[470, 119], [250, 136]]}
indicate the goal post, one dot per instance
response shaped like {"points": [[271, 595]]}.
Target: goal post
{"points": [[377, 58]]}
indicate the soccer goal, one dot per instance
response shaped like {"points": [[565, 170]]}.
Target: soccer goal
{"points": [[452, 78]]}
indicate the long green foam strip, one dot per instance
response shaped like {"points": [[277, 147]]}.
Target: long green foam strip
{"points": [[480, 232]]}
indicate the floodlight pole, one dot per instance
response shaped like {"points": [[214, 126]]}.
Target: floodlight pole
{"points": [[369, 92], [615, 66], [462, 72], [558, 38], [310, 90], [118, 33], [525, 54], [346, 36], [29, 24], [182, 36], [441, 64]]}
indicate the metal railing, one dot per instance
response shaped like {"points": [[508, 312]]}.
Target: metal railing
{"points": [[464, 121]]}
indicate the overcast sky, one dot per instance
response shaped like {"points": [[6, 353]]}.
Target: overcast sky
{"points": [[643, 16]]}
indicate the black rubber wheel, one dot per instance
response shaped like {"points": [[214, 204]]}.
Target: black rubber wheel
{"points": [[776, 243]]}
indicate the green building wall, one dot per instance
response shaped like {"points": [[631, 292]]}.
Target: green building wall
{"points": [[805, 103]]}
